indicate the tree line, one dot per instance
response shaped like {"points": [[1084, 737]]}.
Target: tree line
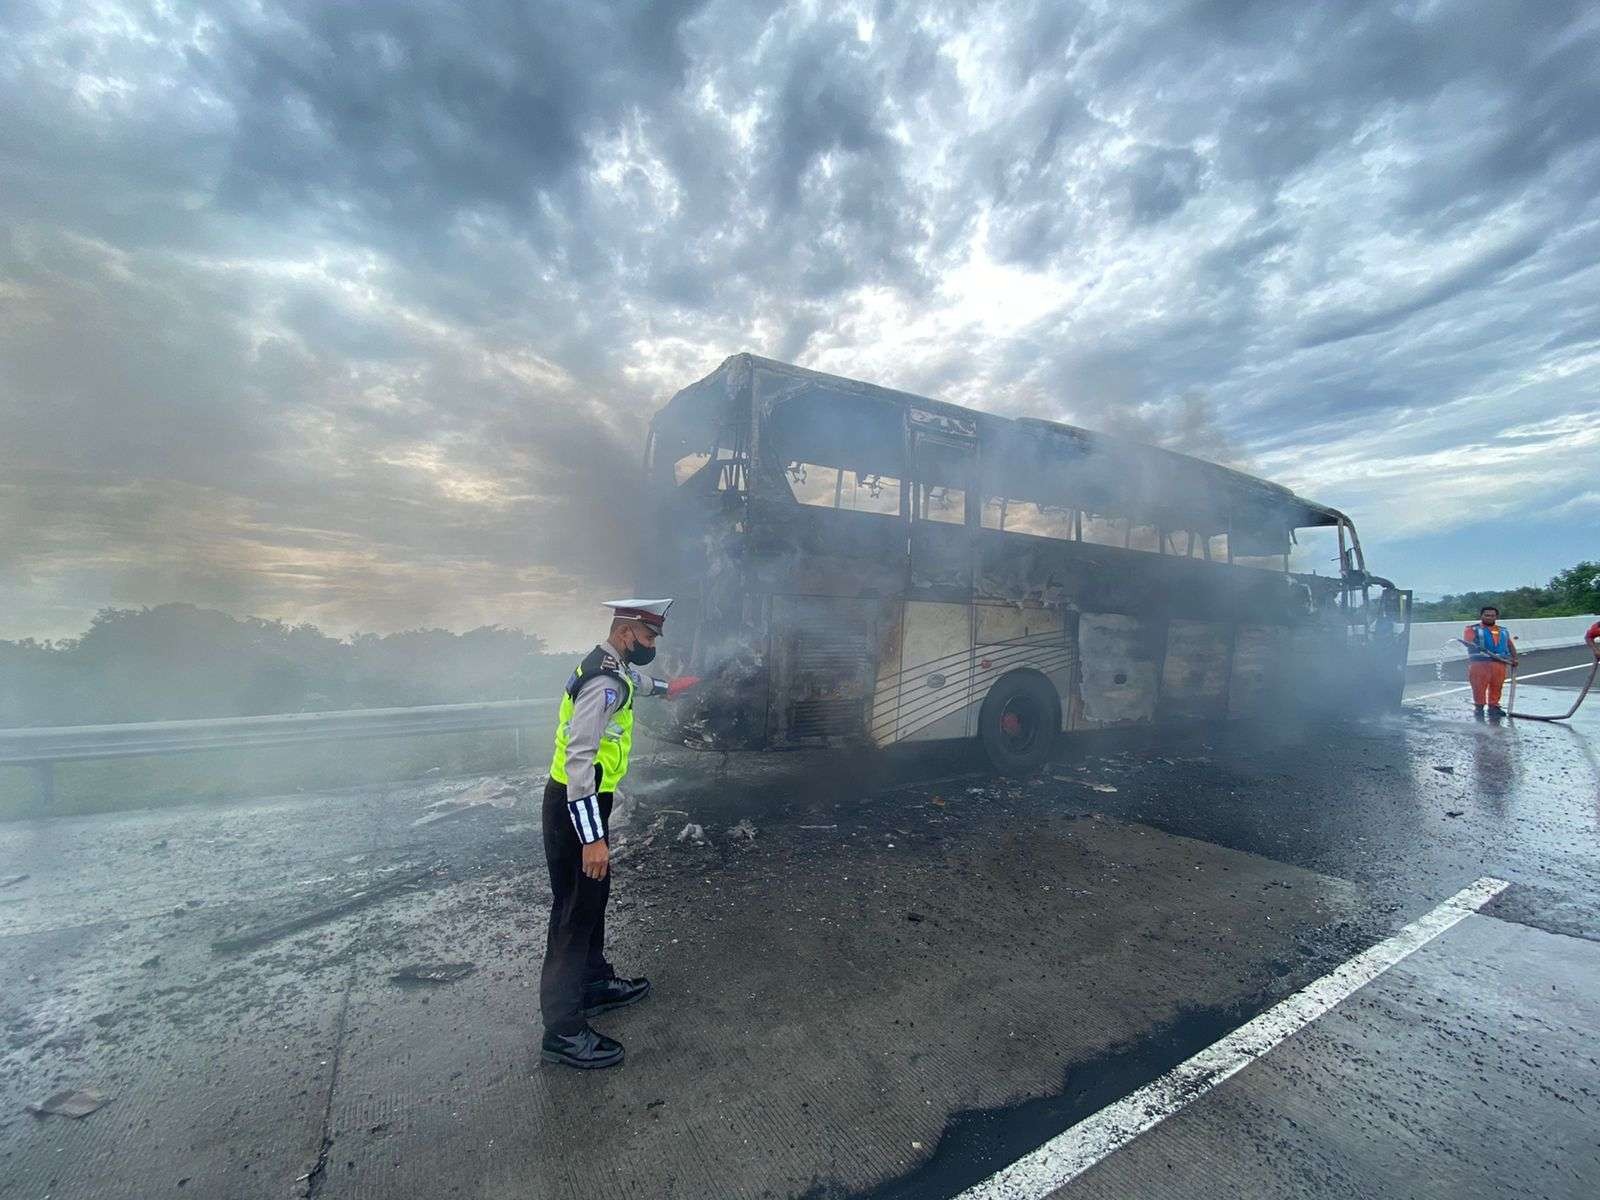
{"points": [[178, 661], [1570, 593]]}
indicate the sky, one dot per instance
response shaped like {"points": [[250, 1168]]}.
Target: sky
{"points": [[355, 313]]}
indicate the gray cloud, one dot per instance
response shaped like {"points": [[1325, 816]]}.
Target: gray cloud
{"points": [[1161, 182], [356, 312], [1476, 273], [416, 112]]}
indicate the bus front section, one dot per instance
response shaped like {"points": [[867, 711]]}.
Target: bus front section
{"points": [[777, 515], [696, 500]]}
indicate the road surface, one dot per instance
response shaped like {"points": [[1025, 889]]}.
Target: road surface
{"points": [[910, 980]]}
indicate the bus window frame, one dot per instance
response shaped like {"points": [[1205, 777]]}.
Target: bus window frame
{"points": [[1053, 456], [916, 494], [771, 459]]}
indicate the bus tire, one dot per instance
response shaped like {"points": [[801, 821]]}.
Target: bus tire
{"points": [[1019, 721]]}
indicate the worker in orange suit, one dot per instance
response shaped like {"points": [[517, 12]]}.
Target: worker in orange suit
{"points": [[1490, 651]]}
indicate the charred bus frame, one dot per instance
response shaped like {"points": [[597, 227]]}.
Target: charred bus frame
{"points": [[860, 563]]}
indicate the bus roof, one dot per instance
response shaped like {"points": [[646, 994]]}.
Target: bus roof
{"points": [[727, 389]]}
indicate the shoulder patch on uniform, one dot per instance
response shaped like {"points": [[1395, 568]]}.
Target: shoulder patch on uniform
{"points": [[609, 662], [611, 697]]}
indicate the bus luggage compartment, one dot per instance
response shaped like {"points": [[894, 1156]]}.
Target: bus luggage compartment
{"points": [[822, 649]]}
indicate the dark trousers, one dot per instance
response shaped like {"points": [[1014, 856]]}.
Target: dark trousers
{"points": [[574, 949]]}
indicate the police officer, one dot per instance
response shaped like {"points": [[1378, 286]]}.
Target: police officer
{"points": [[593, 739]]}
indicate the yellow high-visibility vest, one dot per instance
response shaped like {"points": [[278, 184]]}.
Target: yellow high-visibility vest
{"points": [[616, 741]]}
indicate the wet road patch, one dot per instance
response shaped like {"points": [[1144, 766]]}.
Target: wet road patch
{"points": [[1469, 1070]]}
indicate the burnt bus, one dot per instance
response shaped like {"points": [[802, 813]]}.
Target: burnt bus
{"points": [[857, 563]]}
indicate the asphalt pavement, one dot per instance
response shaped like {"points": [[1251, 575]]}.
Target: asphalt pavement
{"points": [[898, 977]]}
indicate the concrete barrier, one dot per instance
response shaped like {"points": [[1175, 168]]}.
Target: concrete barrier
{"points": [[1430, 640], [41, 747]]}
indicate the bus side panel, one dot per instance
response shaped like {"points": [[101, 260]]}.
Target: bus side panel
{"points": [[883, 716], [1010, 637], [1314, 667], [934, 683], [1194, 674], [821, 655], [1259, 653], [1118, 656]]}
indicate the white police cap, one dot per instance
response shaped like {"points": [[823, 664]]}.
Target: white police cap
{"points": [[652, 612]]}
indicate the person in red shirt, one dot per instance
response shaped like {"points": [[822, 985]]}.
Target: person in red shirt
{"points": [[1490, 651], [1592, 638]]}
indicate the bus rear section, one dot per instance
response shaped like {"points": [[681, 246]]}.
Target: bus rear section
{"points": [[864, 565]]}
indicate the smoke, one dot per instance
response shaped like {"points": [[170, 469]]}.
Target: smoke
{"points": [[356, 467], [1187, 424]]}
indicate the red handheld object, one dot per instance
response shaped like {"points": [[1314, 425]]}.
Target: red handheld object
{"points": [[676, 687]]}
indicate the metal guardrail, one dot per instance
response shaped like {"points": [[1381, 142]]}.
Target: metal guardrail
{"points": [[41, 748]]}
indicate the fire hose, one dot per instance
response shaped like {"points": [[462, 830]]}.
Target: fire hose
{"points": [[1511, 702], [1511, 709]]}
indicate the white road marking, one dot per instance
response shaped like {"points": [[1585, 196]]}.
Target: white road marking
{"points": [[1520, 678], [1069, 1154]]}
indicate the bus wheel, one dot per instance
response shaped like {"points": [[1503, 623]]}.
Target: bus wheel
{"points": [[1018, 723]]}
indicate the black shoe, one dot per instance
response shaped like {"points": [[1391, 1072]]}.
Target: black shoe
{"points": [[1477, 711], [605, 994], [586, 1049], [1496, 711]]}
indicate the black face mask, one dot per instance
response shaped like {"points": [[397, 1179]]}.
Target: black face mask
{"points": [[640, 655]]}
